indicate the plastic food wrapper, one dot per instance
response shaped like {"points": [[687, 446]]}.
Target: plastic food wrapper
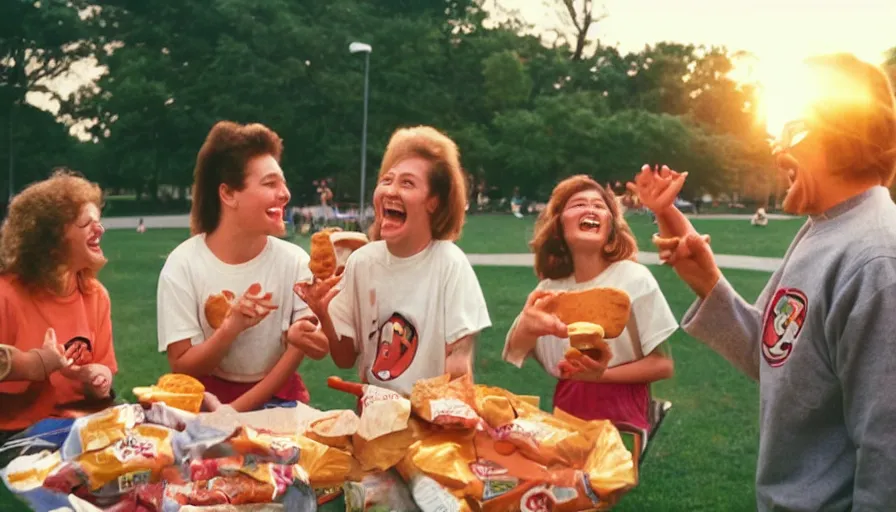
{"points": [[446, 403], [326, 466], [384, 452], [427, 493], [99, 430], [498, 406], [382, 411], [610, 467], [24, 477], [138, 457], [446, 458], [334, 428], [544, 438], [379, 492]]}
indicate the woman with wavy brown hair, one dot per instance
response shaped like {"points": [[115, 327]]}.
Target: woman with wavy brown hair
{"points": [[49, 256], [582, 241]]}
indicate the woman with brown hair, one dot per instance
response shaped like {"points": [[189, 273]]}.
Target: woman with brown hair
{"points": [[410, 304], [581, 242], [49, 256]]}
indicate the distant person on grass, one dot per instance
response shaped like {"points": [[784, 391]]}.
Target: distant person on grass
{"points": [[821, 337]]}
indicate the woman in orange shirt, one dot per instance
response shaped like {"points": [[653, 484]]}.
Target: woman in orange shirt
{"points": [[49, 256]]}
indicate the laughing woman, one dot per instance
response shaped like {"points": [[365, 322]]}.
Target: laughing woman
{"points": [[410, 304], [49, 256], [581, 242]]}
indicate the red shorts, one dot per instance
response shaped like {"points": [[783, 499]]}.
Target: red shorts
{"points": [[228, 391], [601, 401]]}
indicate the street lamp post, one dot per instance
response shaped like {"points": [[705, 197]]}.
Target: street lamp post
{"points": [[357, 47]]}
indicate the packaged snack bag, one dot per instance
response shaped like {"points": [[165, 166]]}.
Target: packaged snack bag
{"points": [[446, 403]]}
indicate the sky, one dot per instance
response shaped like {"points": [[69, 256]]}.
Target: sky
{"points": [[773, 30], [778, 32]]}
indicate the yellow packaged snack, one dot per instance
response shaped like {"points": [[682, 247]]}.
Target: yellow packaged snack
{"points": [[106, 427], [447, 403], [334, 428], [326, 466], [138, 457]]}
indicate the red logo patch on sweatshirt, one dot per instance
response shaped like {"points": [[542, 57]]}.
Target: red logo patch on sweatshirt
{"points": [[784, 320]]}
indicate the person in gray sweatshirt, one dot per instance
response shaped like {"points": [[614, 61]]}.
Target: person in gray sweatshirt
{"points": [[821, 337]]}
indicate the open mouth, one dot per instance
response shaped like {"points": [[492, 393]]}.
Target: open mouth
{"points": [[93, 243], [394, 213], [274, 213], [590, 224]]}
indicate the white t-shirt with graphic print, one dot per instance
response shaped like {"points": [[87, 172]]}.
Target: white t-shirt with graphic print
{"points": [[402, 313], [651, 322], [192, 274]]}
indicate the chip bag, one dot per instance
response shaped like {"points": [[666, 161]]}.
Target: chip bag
{"points": [[383, 452], [136, 458], [334, 428], [382, 411], [544, 438], [447, 403], [99, 430], [326, 466]]}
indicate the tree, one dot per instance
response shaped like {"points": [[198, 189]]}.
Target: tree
{"points": [[41, 41]]}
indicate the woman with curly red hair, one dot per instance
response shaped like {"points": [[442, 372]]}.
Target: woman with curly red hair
{"points": [[582, 241], [49, 256]]}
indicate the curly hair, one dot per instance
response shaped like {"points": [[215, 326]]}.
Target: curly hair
{"points": [[446, 177], [552, 255], [222, 160], [32, 239]]}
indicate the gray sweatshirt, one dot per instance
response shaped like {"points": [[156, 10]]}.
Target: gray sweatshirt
{"points": [[821, 340]]}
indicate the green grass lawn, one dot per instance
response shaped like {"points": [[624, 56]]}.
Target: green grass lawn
{"points": [[704, 456], [507, 234]]}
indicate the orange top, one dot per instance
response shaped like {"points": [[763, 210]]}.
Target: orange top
{"points": [[79, 318]]}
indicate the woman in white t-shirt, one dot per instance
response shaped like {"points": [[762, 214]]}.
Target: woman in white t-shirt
{"points": [[582, 241], [409, 304]]}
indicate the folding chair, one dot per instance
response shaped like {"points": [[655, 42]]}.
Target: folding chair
{"points": [[641, 438]]}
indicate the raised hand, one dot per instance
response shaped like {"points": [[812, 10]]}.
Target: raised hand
{"points": [[657, 188], [53, 354], [249, 309], [536, 321], [692, 259], [318, 293]]}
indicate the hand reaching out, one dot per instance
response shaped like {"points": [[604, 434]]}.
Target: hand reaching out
{"points": [[536, 321], [657, 188], [318, 294]]}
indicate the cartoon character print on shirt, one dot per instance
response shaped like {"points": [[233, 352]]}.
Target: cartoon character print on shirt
{"points": [[784, 320], [395, 349], [83, 352]]}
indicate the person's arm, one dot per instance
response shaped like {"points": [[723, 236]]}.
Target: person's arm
{"points": [[459, 357], [466, 313], [271, 383], [651, 368], [532, 323], [339, 317], [729, 325], [178, 325], [201, 359], [34, 365], [859, 330]]}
